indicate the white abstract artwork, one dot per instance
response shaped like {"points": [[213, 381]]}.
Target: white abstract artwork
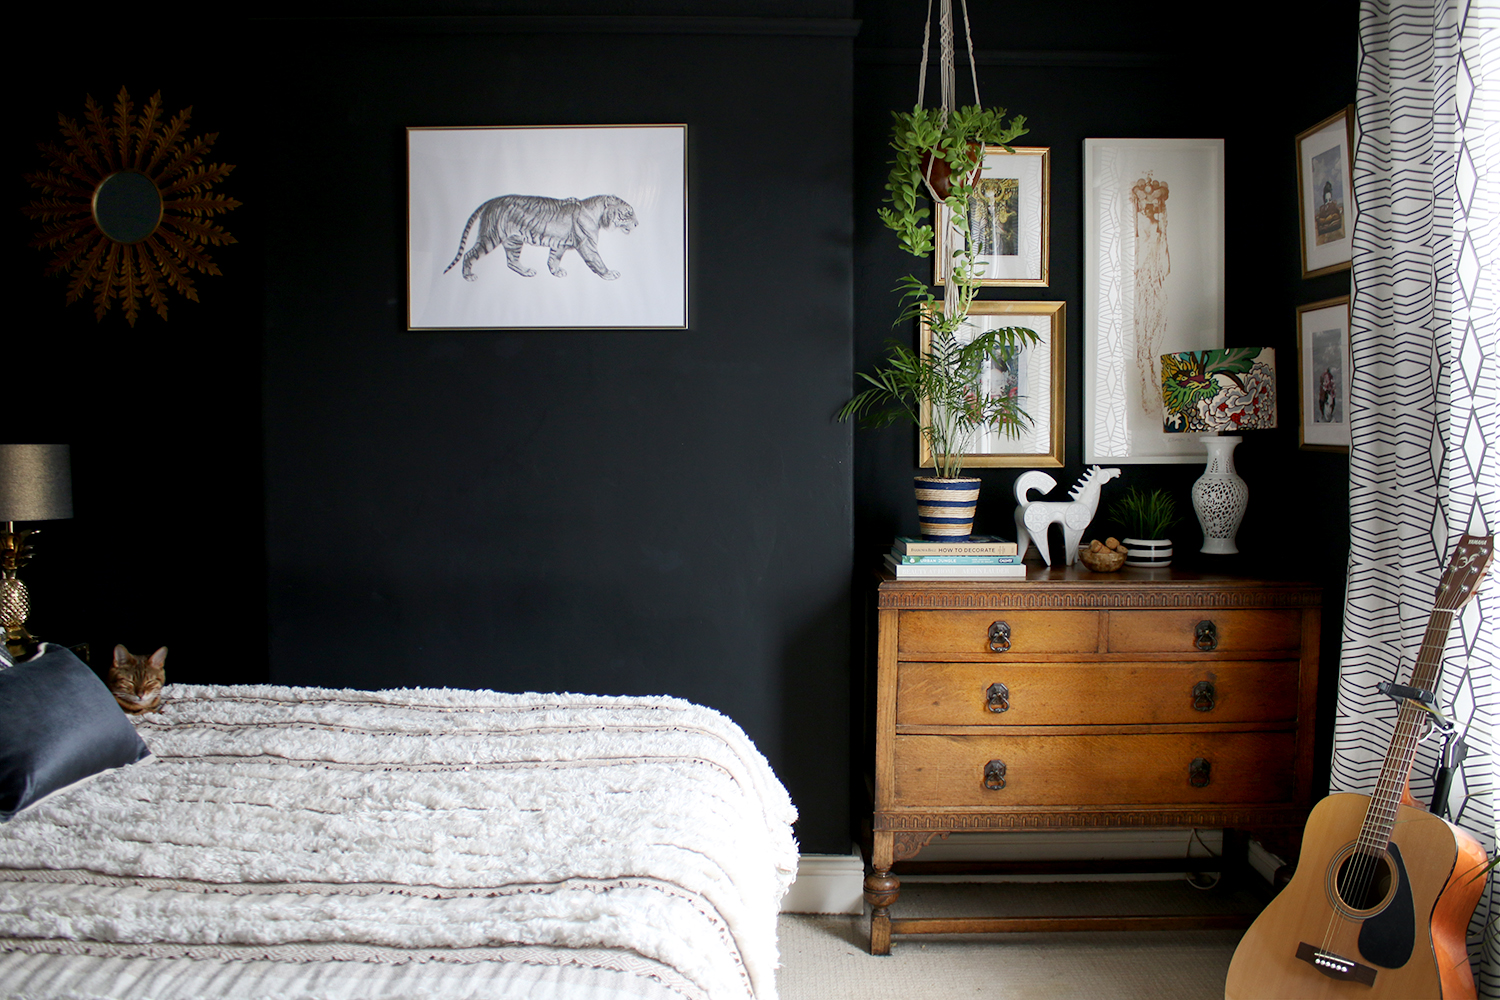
{"points": [[554, 227], [1153, 285]]}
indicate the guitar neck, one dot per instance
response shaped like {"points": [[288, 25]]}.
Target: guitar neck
{"points": [[1460, 583], [1411, 723]]}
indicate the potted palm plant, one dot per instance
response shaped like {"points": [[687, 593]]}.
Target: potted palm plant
{"points": [[938, 156], [1144, 517]]}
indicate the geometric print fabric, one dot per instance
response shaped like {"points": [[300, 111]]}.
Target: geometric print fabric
{"points": [[1424, 400]]}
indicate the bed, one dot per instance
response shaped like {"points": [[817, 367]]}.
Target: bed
{"points": [[306, 842]]}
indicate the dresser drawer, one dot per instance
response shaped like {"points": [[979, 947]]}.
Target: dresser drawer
{"points": [[1204, 630], [1071, 694], [975, 632], [1105, 770]]}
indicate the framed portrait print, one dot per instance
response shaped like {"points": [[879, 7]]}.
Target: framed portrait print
{"points": [[1010, 218], [1153, 231], [1032, 374], [566, 227], [1326, 194], [1323, 372]]}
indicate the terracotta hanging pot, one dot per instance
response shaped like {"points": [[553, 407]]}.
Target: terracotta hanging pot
{"points": [[940, 176]]}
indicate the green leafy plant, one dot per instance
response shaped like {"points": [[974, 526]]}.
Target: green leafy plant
{"points": [[1144, 513], [944, 380], [922, 138], [942, 384]]}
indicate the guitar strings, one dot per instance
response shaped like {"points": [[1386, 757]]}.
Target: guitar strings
{"points": [[1375, 833]]}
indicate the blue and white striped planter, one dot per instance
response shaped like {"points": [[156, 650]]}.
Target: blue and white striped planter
{"points": [[945, 507], [1148, 552]]}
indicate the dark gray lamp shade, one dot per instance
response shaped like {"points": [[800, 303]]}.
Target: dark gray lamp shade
{"points": [[36, 482]]}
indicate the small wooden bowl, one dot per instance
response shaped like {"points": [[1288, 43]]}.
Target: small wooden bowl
{"points": [[1101, 562]]}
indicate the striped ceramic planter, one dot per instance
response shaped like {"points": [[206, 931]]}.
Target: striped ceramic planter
{"points": [[945, 507], [1148, 552]]}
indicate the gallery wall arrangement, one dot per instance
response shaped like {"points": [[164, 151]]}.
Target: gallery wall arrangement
{"points": [[334, 469]]}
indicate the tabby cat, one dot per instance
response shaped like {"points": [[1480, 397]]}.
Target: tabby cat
{"points": [[136, 681]]}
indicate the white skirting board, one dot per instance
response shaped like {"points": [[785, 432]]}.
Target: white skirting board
{"points": [[834, 883], [827, 883]]}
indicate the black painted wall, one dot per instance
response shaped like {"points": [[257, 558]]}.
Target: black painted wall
{"points": [[283, 484], [166, 546], [633, 512]]}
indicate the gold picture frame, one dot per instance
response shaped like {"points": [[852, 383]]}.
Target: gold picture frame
{"points": [[1324, 370], [1325, 194], [1011, 213], [1035, 374]]}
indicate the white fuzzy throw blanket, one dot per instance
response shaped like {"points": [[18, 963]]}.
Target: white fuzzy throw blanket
{"points": [[307, 824]]}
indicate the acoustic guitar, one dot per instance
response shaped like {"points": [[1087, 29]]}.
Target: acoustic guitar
{"points": [[1384, 890]]}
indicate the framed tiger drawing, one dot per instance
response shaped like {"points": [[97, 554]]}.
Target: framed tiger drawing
{"points": [[605, 206]]}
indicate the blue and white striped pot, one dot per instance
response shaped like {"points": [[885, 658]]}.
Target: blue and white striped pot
{"points": [[945, 507], [1148, 552]]}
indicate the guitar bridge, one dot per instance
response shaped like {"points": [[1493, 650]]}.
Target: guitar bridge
{"points": [[1336, 966]]}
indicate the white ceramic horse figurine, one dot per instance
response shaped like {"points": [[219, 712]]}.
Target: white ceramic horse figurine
{"points": [[1034, 516]]}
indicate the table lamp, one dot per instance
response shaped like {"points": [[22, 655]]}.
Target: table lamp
{"points": [[36, 484], [1217, 394]]}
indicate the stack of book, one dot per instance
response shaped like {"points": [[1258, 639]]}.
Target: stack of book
{"points": [[980, 558]]}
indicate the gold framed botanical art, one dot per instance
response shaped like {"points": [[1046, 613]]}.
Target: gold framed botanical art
{"points": [[1010, 218], [1325, 193], [1324, 369], [1031, 374], [125, 205]]}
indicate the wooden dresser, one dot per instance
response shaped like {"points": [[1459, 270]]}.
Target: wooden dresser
{"points": [[1080, 700]]}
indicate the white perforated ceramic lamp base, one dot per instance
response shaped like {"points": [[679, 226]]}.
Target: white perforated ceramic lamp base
{"points": [[1220, 496]]}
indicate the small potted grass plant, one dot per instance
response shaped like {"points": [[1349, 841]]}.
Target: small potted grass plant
{"points": [[1144, 517]]}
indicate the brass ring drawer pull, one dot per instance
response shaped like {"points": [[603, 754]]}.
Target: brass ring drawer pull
{"points": [[997, 697], [1204, 696], [1206, 636], [999, 637], [994, 775], [1200, 772]]}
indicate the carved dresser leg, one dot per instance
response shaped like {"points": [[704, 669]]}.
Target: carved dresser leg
{"points": [[881, 890]]}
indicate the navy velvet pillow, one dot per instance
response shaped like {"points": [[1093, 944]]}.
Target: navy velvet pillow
{"points": [[58, 725]]}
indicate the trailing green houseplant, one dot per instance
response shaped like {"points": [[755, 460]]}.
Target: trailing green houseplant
{"points": [[941, 384], [931, 142]]}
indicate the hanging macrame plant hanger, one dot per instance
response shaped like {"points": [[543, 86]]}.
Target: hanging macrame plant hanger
{"points": [[935, 173]]}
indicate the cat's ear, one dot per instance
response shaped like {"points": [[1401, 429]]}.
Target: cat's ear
{"points": [[159, 658], [122, 656]]}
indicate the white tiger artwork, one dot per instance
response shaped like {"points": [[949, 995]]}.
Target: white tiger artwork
{"points": [[561, 224]]}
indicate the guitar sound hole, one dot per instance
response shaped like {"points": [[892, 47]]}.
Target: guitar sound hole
{"points": [[1363, 881]]}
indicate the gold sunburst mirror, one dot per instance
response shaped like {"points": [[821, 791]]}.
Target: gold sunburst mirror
{"points": [[125, 204]]}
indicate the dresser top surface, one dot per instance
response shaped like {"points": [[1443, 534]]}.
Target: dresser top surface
{"points": [[1078, 586]]}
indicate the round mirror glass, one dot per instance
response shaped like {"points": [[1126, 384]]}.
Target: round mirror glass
{"points": [[127, 206]]}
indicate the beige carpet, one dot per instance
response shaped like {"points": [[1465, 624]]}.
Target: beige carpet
{"points": [[827, 957]]}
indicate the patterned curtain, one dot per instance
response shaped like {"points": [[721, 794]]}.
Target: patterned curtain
{"points": [[1425, 394]]}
